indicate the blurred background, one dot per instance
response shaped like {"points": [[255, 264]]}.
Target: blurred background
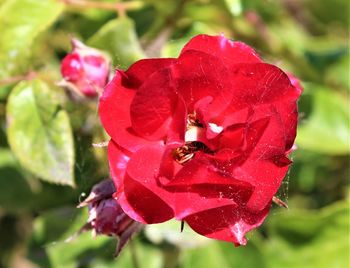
{"points": [[43, 176]]}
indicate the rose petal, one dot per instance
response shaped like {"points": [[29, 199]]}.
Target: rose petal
{"points": [[198, 76], [296, 83], [72, 67], [199, 176], [146, 204], [118, 161], [212, 221], [231, 154], [114, 110], [153, 106], [127, 207], [267, 179], [232, 116], [254, 85], [260, 83], [177, 127], [288, 112], [229, 52], [265, 166], [142, 69], [188, 203], [227, 223], [97, 70], [232, 138], [148, 200]]}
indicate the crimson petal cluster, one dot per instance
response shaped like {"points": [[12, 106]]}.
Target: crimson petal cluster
{"points": [[203, 138]]}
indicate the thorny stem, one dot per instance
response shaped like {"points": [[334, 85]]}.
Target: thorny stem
{"points": [[132, 248], [119, 7], [254, 19], [15, 79], [154, 47]]}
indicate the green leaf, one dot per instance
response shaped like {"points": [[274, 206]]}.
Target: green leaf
{"points": [[169, 232], [209, 13], [327, 128], [222, 254], [330, 11], [338, 73], [118, 37], [295, 239], [92, 251], [15, 191], [173, 48], [39, 132], [68, 253], [310, 238], [209, 256], [234, 6], [20, 23]]}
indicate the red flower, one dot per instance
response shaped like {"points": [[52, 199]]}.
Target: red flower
{"points": [[85, 70], [202, 138]]}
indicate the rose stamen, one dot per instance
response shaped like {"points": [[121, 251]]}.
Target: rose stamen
{"points": [[186, 152], [192, 121], [194, 130]]}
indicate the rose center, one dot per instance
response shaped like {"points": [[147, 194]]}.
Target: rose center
{"points": [[192, 121], [186, 152], [193, 143]]}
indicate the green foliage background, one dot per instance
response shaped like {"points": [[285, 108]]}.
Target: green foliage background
{"points": [[47, 161]]}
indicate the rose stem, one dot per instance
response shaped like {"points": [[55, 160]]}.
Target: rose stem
{"points": [[153, 48], [120, 7], [134, 258], [15, 79]]}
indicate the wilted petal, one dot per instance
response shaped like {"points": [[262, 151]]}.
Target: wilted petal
{"points": [[100, 191], [106, 217]]}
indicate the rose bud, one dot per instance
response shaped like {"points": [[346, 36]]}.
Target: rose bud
{"points": [[203, 138], [106, 217], [85, 70]]}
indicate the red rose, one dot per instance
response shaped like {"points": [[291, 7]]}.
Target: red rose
{"points": [[85, 70], [203, 138]]}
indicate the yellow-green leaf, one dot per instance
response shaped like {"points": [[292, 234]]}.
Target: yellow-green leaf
{"points": [[118, 37], [39, 132], [20, 22], [327, 130]]}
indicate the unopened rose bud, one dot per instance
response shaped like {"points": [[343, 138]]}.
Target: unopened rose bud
{"points": [[106, 217], [85, 70]]}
